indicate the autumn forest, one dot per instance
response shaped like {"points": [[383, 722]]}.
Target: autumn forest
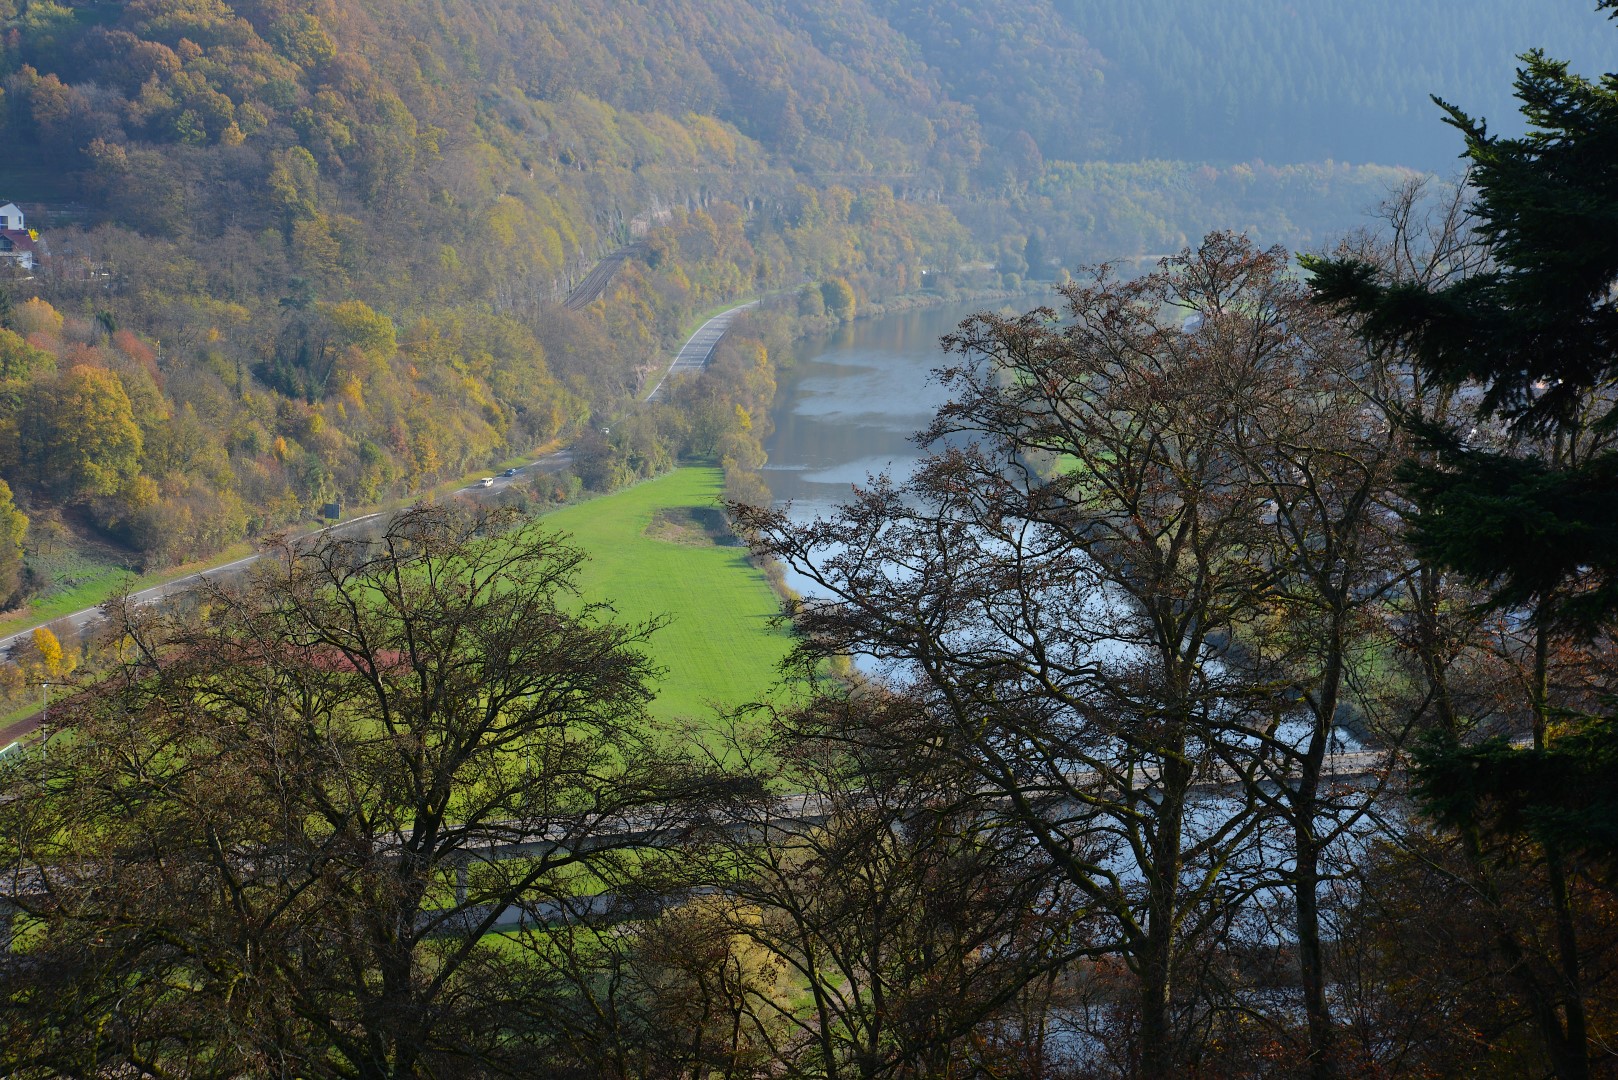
{"points": [[1227, 693]]}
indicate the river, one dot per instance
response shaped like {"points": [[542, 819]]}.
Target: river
{"points": [[850, 402], [848, 406]]}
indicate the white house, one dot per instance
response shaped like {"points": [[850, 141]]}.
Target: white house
{"points": [[17, 244]]}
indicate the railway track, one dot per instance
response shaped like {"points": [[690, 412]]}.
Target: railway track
{"points": [[587, 291]]}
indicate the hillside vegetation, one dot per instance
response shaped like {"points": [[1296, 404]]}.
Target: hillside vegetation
{"points": [[306, 253]]}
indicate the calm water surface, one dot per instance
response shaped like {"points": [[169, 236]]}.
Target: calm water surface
{"points": [[846, 410], [848, 406]]}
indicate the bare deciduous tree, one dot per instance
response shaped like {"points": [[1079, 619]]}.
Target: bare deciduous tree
{"points": [[1060, 580], [276, 840]]}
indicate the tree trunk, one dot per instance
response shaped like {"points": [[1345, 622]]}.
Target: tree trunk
{"points": [[1157, 956], [1566, 1034], [1156, 1025], [1305, 809], [1323, 1063]]}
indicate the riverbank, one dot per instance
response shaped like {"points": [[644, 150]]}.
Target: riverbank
{"points": [[896, 305], [773, 336], [809, 326]]}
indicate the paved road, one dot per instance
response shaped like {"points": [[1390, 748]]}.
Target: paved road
{"points": [[592, 286], [79, 620], [553, 462], [693, 355]]}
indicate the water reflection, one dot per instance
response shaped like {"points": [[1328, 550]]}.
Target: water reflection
{"points": [[847, 410], [848, 407]]}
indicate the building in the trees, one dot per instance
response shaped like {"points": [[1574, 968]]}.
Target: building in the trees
{"points": [[18, 244]]}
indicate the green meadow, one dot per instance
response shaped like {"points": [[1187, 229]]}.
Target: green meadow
{"points": [[660, 548]]}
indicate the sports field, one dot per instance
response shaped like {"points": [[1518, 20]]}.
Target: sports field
{"points": [[659, 548]]}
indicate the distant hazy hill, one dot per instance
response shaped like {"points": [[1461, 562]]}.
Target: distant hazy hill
{"points": [[1300, 80], [1233, 80]]}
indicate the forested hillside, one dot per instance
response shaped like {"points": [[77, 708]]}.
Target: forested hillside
{"points": [[314, 252], [305, 255]]}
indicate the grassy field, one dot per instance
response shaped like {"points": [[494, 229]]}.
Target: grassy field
{"points": [[659, 549]]}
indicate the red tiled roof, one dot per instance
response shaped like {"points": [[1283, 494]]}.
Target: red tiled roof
{"points": [[20, 240]]}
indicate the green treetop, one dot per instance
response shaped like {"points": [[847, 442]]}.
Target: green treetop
{"points": [[1536, 512]]}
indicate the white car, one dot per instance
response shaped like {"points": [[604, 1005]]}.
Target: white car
{"points": [[487, 481]]}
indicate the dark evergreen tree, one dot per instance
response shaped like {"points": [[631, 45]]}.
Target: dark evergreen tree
{"points": [[1538, 333], [1525, 503]]}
